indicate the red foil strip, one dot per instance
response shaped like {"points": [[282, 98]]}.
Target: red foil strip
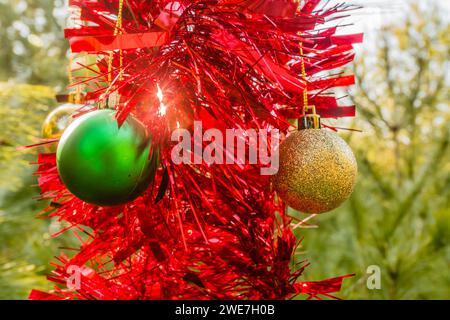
{"points": [[124, 42], [200, 231]]}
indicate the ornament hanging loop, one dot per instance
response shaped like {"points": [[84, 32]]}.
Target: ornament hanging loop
{"points": [[307, 120]]}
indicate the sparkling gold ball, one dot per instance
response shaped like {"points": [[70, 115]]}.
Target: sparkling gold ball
{"points": [[317, 171], [56, 122]]}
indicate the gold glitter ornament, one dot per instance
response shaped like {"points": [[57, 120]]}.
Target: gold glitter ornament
{"points": [[317, 171], [56, 122]]}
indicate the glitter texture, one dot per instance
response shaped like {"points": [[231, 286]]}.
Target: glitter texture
{"points": [[317, 171]]}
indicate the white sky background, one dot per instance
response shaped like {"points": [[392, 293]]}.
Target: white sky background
{"points": [[378, 13], [370, 19]]}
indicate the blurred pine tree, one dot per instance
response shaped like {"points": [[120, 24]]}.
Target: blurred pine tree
{"points": [[33, 51], [25, 244], [33, 44], [399, 215]]}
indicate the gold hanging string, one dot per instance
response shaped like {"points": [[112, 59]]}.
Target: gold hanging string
{"points": [[306, 107], [117, 31], [305, 90], [73, 97], [70, 97], [69, 69]]}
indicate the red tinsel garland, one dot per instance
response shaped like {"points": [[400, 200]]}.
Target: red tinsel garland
{"points": [[201, 231]]}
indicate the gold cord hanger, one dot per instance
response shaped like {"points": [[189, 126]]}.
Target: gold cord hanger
{"points": [[73, 97], [117, 31], [307, 120]]}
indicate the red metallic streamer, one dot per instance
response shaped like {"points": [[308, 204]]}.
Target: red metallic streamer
{"points": [[200, 231]]}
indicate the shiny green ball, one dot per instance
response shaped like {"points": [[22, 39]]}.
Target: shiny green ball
{"points": [[102, 164]]}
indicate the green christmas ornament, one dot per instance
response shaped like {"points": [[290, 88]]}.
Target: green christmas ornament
{"points": [[102, 164]]}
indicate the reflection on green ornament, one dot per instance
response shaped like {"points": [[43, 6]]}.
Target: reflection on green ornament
{"points": [[102, 164], [56, 122]]}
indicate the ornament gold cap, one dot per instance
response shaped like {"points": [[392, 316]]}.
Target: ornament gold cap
{"points": [[71, 97], [76, 96], [309, 121]]}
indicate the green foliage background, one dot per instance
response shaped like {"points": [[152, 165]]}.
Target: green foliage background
{"points": [[397, 219]]}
